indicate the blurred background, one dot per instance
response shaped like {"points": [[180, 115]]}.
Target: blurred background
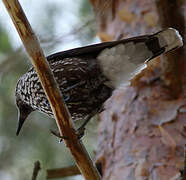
{"points": [[60, 25]]}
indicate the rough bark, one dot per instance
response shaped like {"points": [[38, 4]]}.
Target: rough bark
{"points": [[142, 130]]}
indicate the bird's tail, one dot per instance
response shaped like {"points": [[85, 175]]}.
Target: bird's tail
{"points": [[127, 57], [168, 40]]}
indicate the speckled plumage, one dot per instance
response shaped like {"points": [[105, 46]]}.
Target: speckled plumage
{"points": [[80, 81], [87, 76]]}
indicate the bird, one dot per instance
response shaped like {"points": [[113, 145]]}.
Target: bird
{"points": [[87, 76]]}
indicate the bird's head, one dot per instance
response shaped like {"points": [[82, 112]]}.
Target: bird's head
{"points": [[23, 108]]}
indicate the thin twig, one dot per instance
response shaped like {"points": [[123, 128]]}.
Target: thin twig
{"points": [[62, 116], [36, 170], [60, 39], [62, 172], [8, 62], [68, 171]]}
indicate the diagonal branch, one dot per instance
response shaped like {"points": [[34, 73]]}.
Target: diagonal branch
{"points": [[62, 116]]}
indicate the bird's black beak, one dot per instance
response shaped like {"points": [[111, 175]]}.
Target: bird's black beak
{"points": [[22, 115], [21, 120]]}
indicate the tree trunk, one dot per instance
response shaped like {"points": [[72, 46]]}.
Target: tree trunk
{"points": [[143, 128]]}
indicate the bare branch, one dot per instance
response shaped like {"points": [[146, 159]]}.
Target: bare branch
{"points": [[68, 171], [62, 172], [7, 62], [61, 113], [36, 170], [59, 39]]}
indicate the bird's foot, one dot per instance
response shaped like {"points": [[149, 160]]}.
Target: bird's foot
{"points": [[80, 133], [81, 130], [57, 134]]}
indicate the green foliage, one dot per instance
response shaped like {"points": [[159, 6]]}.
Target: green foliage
{"points": [[87, 35], [5, 45], [85, 8]]}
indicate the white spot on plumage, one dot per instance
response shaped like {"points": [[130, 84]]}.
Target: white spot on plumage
{"points": [[82, 62], [23, 96], [31, 101], [82, 69], [66, 63], [33, 94], [58, 70]]}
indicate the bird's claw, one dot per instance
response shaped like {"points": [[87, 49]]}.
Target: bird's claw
{"points": [[57, 134], [79, 132]]}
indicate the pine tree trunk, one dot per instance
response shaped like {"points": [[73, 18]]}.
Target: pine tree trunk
{"points": [[143, 128]]}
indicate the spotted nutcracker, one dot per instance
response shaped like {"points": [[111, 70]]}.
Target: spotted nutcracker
{"points": [[87, 76]]}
